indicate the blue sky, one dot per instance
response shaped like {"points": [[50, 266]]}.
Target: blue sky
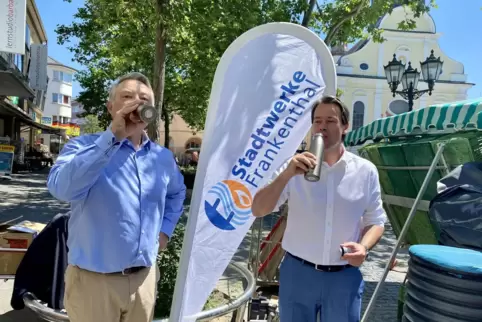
{"points": [[457, 21]]}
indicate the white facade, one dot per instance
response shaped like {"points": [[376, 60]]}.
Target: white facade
{"points": [[362, 79], [59, 92], [77, 110]]}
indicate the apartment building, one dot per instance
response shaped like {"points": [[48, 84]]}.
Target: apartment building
{"points": [[58, 106], [23, 77]]}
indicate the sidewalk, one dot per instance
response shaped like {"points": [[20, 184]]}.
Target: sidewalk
{"points": [[25, 196]]}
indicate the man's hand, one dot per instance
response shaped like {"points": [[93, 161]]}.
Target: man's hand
{"points": [[357, 255], [300, 164], [163, 240], [125, 123]]}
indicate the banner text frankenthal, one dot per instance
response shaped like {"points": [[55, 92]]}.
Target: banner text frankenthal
{"points": [[252, 166]]}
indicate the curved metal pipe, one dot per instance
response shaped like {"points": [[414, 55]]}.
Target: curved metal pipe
{"points": [[42, 311], [232, 306], [51, 315]]}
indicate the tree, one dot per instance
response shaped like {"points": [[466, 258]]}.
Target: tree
{"points": [[91, 125], [179, 43], [345, 21], [177, 46]]}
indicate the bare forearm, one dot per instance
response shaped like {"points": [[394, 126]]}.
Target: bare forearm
{"points": [[265, 199], [371, 235]]}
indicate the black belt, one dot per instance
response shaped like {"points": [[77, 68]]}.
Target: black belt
{"points": [[321, 268], [129, 271]]}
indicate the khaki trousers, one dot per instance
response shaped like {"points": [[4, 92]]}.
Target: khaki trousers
{"points": [[94, 297]]}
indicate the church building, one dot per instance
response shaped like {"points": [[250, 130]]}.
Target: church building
{"points": [[361, 76]]}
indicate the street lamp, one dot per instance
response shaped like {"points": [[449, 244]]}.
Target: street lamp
{"points": [[396, 73]]}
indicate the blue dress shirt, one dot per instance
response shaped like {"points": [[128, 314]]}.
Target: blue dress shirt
{"points": [[121, 200]]}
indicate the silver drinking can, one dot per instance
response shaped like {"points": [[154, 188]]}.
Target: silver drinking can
{"points": [[147, 113], [316, 148]]}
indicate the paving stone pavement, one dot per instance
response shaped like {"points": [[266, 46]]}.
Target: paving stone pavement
{"points": [[27, 195], [386, 305]]}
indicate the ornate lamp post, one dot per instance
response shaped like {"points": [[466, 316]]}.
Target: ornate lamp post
{"points": [[396, 74]]}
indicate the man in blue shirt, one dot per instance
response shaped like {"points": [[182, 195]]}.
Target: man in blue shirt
{"points": [[126, 195]]}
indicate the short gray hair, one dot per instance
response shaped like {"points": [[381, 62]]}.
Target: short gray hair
{"points": [[130, 76]]}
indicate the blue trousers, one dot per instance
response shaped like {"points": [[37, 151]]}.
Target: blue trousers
{"points": [[305, 292]]}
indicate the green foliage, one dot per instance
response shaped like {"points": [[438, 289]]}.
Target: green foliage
{"points": [[168, 263], [91, 125], [189, 169], [345, 21], [110, 38]]}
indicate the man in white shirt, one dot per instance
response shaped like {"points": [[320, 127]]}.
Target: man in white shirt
{"points": [[344, 208]]}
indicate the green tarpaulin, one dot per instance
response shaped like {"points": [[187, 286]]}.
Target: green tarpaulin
{"points": [[438, 118], [403, 159]]}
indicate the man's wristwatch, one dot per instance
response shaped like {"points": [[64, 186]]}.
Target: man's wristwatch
{"points": [[367, 250]]}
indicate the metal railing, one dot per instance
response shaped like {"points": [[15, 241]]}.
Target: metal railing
{"points": [[238, 305]]}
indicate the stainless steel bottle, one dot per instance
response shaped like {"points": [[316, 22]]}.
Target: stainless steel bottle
{"points": [[344, 250], [316, 148], [147, 113]]}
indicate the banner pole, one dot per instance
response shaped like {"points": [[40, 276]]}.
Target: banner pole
{"points": [[404, 231]]}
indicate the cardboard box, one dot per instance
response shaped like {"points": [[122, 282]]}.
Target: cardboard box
{"points": [[10, 258], [14, 241]]}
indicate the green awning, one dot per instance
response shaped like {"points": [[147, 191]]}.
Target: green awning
{"points": [[440, 118]]}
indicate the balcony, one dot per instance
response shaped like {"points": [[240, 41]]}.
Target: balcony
{"points": [[12, 81]]}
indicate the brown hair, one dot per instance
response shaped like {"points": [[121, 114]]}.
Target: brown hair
{"points": [[345, 113]]}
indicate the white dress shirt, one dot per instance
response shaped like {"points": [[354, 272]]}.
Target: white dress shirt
{"points": [[324, 214]]}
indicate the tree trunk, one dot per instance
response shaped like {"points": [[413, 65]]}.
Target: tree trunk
{"points": [[159, 69], [307, 15], [334, 29], [167, 123]]}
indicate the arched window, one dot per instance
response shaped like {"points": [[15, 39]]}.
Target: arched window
{"points": [[398, 107], [358, 115]]}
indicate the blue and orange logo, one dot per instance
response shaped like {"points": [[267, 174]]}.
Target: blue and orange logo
{"points": [[228, 204]]}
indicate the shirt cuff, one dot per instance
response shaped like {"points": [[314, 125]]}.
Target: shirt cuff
{"points": [[107, 142], [167, 228]]}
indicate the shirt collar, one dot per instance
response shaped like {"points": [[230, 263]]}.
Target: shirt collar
{"points": [[146, 141], [344, 160]]}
